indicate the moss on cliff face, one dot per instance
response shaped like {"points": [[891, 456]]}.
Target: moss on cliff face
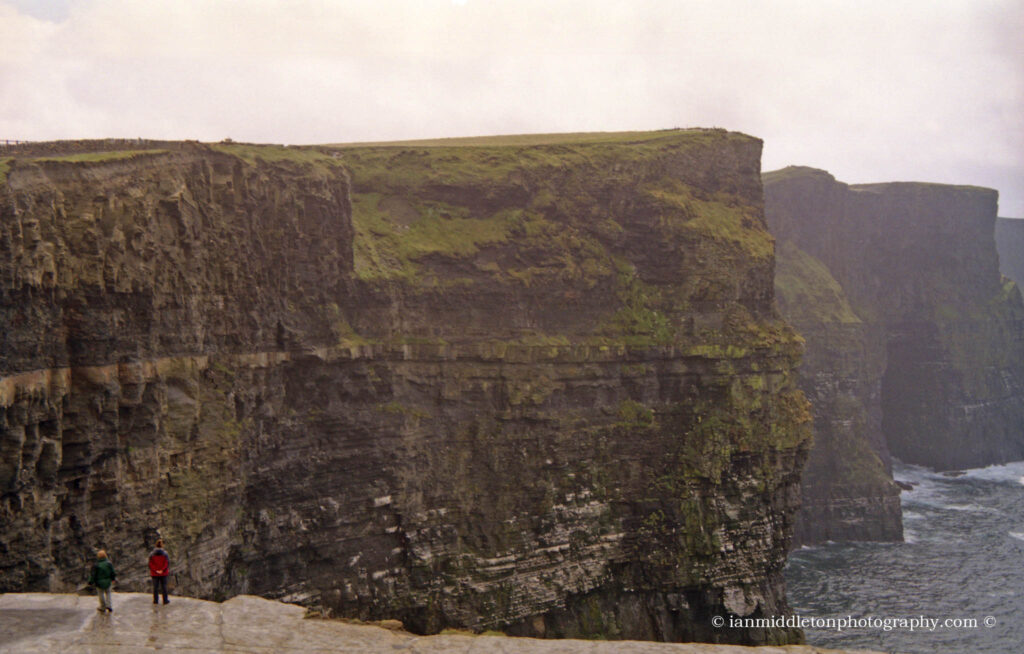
{"points": [[559, 230], [560, 204], [806, 290], [532, 384], [847, 491], [718, 217], [392, 235]]}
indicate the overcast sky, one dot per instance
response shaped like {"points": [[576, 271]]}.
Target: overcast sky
{"points": [[928, 90]]}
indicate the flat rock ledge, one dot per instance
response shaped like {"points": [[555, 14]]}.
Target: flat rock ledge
{"points": [[33, 623]]}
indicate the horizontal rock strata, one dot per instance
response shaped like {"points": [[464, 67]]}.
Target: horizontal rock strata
{"points": [[539, 388]]}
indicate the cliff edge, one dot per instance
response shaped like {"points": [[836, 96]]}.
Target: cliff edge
{"points": [[1010, 245], [532, 384], [37, 623]]}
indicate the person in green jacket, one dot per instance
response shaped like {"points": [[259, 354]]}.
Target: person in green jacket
{"points": [[102, 577]]}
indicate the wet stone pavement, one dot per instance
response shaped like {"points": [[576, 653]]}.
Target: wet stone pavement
{"points": [[41, 623]]}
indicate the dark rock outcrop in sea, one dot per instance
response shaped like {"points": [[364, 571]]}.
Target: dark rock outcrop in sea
{"points": [[537, 387], [914, 344]]}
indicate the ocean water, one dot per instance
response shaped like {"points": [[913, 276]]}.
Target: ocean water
{"points": [[962, 562]]}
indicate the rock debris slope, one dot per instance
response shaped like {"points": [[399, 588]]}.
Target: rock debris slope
{"points": [[529, 384]]}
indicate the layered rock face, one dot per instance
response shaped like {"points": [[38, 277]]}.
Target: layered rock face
{"points": [[1010, 245], [537, 387], [847, 488], [120, 279], [917, 264]]}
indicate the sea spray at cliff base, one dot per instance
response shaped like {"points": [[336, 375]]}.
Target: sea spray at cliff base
{"points": [[913, 338], [961, 560]]}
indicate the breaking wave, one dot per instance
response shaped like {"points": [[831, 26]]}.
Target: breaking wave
{"points": [[960, 559]]}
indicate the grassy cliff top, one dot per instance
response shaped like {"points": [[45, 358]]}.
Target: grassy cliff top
{"points": [[709, 157], [556, 199], [879, 187], [85, 158], [794, 172], [569, 138], [90, 157], [491, 161]]}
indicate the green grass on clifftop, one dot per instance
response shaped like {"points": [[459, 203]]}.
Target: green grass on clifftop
{"points": [[93, 157], [569, 138], [543, 198], [793, 172], [276, 153], [878, 187], [409, 165]]}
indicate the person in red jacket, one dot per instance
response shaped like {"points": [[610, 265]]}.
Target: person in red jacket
{"points": [[159, 568]]}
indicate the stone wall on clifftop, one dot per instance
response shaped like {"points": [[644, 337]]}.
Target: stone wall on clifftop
{"points": [[532, 386], [918, 262]]}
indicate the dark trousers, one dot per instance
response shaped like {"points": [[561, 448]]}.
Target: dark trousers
{"points": [[159, 584]]}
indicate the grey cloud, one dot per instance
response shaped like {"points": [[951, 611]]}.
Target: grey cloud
{"points": [[870, 90]]}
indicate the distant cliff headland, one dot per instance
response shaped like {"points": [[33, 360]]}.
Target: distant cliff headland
{"points": [[915, 345], [536, 384], [1010, 244]]}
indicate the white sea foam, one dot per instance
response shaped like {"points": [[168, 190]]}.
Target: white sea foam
{"points": [[914, 474], [971, 508], [930, 490], [1008, 472], [962, 531], [911, 473], [936, 489]]}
